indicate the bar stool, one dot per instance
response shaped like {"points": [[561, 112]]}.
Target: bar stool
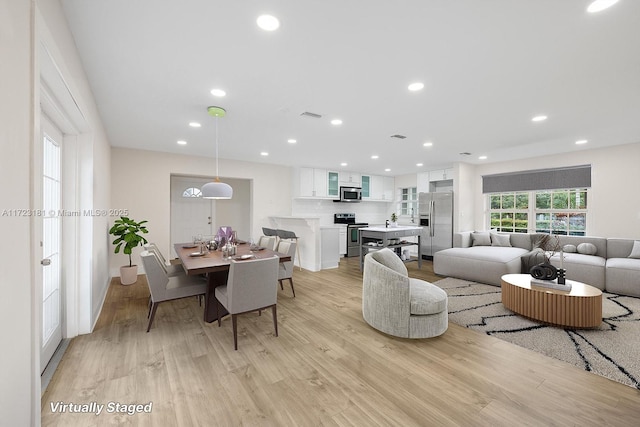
{"points": [[290, 235]]}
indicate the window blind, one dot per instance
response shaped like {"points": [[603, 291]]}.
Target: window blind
{"points": [[539, 179]]}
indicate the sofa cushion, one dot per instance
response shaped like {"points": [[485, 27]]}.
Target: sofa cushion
{"points": [[587, 249], [426, 298], [570, 249], [623, 276], [635, 251], [480, 238], [502, 240]]}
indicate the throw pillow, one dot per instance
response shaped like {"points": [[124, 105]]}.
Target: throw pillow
{"points": [[571, 249], [635, 252], [480, 238], [503, 240], [587, 249]]}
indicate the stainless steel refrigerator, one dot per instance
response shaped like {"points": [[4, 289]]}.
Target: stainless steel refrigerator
{"points": [[436, 218]]}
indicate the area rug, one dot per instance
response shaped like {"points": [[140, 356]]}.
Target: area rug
{"points": [[612, 350]]}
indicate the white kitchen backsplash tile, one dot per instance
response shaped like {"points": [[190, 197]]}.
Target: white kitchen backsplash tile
{"points": [[370, 212]]}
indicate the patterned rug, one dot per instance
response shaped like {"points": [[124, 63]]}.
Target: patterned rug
{"points": [[612, 350]]}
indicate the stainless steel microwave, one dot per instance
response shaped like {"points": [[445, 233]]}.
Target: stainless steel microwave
{"points": [[350, 194]]}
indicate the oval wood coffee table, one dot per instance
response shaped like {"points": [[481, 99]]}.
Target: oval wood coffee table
{"points": [[580, 308]]}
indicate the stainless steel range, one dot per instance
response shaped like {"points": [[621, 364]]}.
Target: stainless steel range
{"points": [[353, 249]]}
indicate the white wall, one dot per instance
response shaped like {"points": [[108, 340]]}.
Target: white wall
{"points": [[140, 182], [613, 205], [23, 27], [18, 379]]}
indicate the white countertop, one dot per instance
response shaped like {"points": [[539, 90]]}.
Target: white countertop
{"points": [[391, 229]]}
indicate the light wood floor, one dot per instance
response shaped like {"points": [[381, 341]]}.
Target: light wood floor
{"points": [[327, 367]]}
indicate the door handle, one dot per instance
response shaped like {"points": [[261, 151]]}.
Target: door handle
{"points": [[45, 262]]}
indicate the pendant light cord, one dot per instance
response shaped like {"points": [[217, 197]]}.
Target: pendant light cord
{"points": [[217, 170]]}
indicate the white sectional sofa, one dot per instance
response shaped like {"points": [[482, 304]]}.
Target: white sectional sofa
{"points": [[605, 263]]}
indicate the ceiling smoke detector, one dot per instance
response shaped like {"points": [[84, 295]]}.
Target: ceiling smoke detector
{"points": [[398, 136], [309, 114]]}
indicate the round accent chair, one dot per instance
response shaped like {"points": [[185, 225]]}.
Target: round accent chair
{"points": [[398, 305]]}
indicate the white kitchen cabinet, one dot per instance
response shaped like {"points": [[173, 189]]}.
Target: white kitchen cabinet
{"points": [[423, 182], [331, 179], [387, 188], [440, 175], [350, 178], [376, 187], [342, 240], [329, 247], [312, 182]]}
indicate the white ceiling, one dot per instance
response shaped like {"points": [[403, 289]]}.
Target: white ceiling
{"points": [[488, 67]]}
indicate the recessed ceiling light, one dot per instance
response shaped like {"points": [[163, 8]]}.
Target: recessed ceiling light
{"points": [[375, 156], [600, 5], [482, 158], [181, 142], [387, 170], [268, 22], [582, 141], [540, 118], [419, 164], [264, 153], [428, 144], [336, 122], [195, 124], [291, 141], [218, 92], [416, 86], [343, 164]]}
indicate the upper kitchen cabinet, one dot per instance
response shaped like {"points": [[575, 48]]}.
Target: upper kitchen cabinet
{"points": [[333, 184], [380, 188], [350, 179], [440, 175], [423, 182], [313, 182]]}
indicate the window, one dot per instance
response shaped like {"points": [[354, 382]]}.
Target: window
{"points": [[510, 212], [555, 211], [408, 205], [192, 192]]}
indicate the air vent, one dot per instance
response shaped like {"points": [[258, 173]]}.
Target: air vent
{"points": [[465, 153], [398, 136], [309, 114]]}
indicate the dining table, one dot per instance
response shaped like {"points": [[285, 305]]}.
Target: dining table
{"points": [[216, 266]]}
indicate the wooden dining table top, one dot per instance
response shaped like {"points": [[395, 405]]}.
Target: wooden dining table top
{"points": [[214, 261]]}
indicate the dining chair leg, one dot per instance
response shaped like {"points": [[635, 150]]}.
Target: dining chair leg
{"points": [[275, 318], [218, 313], [234, 322], [281, 287], [149, 307], [154, 307], [292, 290]]}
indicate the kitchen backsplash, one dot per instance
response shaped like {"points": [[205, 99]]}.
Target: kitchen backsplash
{"points": [[370, 212]]}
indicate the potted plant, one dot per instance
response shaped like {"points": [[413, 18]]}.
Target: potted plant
{"points": [[128, 235], [394, 220]]}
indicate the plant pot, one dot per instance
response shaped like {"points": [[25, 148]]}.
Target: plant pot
{"points": [[393, 224], [128, 275]]}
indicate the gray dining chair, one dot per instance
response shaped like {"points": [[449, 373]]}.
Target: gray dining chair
{"points": [[171, 269], [285, 271], [291, 235], [252, 286], [268, 242], [166, 288]]}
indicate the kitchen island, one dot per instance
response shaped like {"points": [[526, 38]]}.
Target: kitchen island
{"points": [[375, 238]]}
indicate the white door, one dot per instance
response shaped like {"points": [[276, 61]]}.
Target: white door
{"points": [[51, 287], [191, 215]]}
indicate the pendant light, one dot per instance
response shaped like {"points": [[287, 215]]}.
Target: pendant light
{"points": [[216, 189]]}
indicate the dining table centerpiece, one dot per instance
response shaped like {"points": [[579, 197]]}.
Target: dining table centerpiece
{"points": [[129, 234]]}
